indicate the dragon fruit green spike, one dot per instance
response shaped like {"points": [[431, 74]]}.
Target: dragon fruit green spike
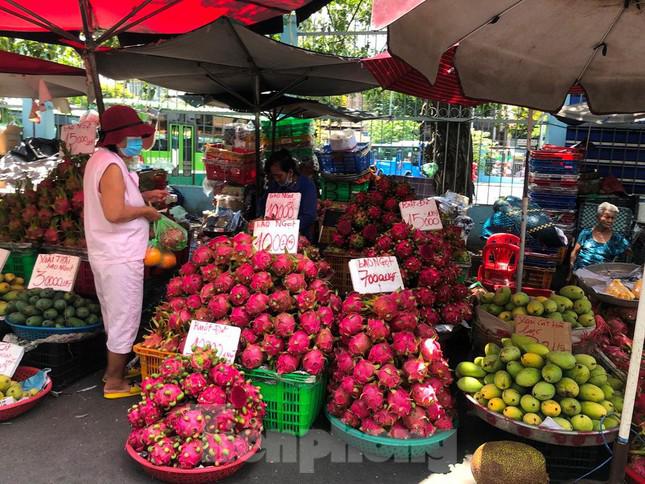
{"points": [[163, 452], [153, 433], [190, 454], [151, 384]]}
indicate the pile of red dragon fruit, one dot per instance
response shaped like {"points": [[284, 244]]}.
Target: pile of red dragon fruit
{"points": [[52, 213], [283, 305], [389, 377], [426, 260], [370, 214], [198, 411]]}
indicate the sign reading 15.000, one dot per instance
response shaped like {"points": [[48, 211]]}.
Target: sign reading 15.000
{"points": [[421, 214], [79, 138]]}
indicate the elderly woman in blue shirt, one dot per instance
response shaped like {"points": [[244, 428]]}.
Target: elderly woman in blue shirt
{"points": [[599, 244], [284, 177]]}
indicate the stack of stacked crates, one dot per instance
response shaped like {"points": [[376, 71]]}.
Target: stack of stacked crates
{"points": [[553, 186], [295, 135], [344, 173]]}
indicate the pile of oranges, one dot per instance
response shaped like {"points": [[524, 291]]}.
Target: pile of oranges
{"points": [[156, 257]]}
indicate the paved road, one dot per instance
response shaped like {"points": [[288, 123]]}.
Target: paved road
{"points": [[78, 437]]}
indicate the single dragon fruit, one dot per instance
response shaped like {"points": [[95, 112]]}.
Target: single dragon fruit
{"points": [[190, 454], [190, 424], [244, 273], [261, 282], [252, 357], [415, 369], [370, 427], [272, 345], [324, 340], [385, 307], [372, 396], [163, 452], [284, 325], [257, 303], [239, 317], [262, 324], [380, 353], [172, 369], [364, 371], [298, 343], [377, 330], [282, 265], [239, 295], [202, 255], [350, 324], [310, 322], [223, 282], [261, 260], [423, 394], [219, 305], [388, 376], [150, 385], [224, 375], [359, 344], [404, 343], [399, 402], [149, 412], [287, 363], [281, 301], [194, 384], [191, 284], [313, 362], [168, 395]]}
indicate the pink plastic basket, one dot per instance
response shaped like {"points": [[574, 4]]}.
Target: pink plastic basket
{"points": [[10, 411], [192, 476]]}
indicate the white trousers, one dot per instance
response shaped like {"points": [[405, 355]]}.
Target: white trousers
{"points": [[119, 288]]}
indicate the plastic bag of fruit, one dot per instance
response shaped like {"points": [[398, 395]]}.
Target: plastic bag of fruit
{"points": [[170, 235]]}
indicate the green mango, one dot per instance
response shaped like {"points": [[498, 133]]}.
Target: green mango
{"points": [[572, 292]]}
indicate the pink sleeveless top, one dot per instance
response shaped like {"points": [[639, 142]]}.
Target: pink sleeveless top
{"points": [[107, 242]]}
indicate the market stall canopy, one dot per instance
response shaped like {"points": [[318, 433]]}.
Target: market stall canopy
{"points": [[530, 53], [577, 114], [282, 106], [396, 75], [140, 20], [28, 77], [226, 57]]}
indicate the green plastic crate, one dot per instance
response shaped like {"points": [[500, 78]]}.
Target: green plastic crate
{"points": [[387, 446], [288, 127], [341, 191], [293, 400], [21, 263]]}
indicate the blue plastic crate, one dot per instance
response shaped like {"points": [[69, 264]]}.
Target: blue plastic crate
{"points": [[32, 333], [352, 161], [555, 167]]}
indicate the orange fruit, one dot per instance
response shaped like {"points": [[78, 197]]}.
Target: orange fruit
{"points": [[168, 260], [153, 257]]}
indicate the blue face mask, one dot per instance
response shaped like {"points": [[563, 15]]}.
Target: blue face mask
{"points": [[132, 148]]}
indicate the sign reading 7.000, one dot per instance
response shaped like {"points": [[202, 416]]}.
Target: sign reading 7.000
{"points": [[375, 274]]}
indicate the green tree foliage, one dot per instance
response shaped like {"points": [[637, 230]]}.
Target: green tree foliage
{"points": [[51, 52]]}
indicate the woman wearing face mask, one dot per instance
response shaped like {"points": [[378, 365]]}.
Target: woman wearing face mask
{"points": [[117, 224], [283, 176]]}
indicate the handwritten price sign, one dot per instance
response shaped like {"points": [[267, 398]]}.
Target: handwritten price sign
{"points": [[79, 138], [10, 356], [55, 271], [282, 206], [375, 274], [224, 339], [276, 236], [556, 335], [4, 255], [421, 214]]}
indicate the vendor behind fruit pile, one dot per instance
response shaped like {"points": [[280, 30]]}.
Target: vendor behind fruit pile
{"points": [[117, 225], [599, 244], [284, 177]]}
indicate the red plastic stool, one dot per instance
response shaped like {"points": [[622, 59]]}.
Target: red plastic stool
{"points": [[499, 263], [502, 238]]}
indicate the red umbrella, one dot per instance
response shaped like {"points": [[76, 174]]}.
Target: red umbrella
{"points": [[63, 21], [11, 63], [385, 12], [396, 75]]}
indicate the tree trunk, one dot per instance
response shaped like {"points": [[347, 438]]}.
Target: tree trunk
{"points": [[450, 147]]}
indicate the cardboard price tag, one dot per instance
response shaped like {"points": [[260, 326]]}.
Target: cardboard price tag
{"points": [[276, 236], [282, 206], [421, 214], [556, 335], [10, 356], [223, 339], [4, 255], [375, 274], [55, 271], [79, 138]]}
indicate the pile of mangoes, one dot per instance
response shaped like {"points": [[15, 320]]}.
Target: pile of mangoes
{"points": [[10, 287], [526, 382], [13, 389], [570, 305], [52, 309]]}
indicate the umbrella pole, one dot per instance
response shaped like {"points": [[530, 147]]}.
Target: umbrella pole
{"points": [[259, 177], [92, 77], [525, 205], [274, 127], [621, 445]]}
